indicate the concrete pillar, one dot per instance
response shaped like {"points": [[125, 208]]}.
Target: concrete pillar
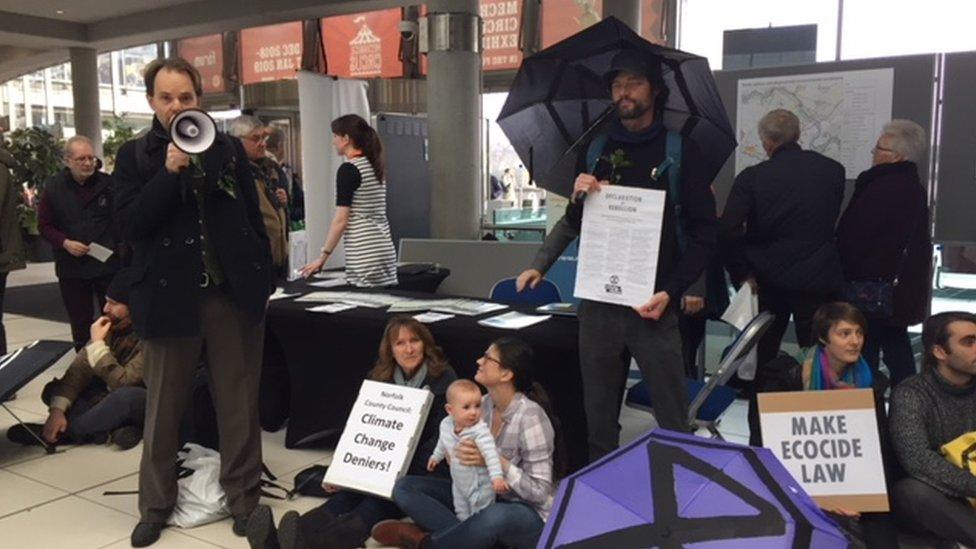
{"points": [[84, 90], [628, 11], [454, 117]]}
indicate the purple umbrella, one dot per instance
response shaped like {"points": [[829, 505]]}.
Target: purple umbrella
{"points": [[671, 490]]}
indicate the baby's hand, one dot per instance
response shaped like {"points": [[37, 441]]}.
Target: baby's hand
{"points": [[431, 464], [499, 485]]}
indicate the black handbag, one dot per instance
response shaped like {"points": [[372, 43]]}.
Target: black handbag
{"points": [[876, 297]]}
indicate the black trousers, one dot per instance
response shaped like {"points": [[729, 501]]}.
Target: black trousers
{"points": [[3, 331], [922, 509], [891, 343], [79, 296], [783, 304], [692, 328]]}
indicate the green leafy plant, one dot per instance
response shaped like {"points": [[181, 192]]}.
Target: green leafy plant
{"points": [[39, 155], [618, 160], [120, 131]]}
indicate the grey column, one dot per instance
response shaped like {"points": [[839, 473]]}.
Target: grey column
{"points": [[84, 90], [628, 11], [454, 120]]}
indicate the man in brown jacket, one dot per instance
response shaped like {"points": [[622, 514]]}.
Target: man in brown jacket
{"points": [[101, 396], [12, 255]]}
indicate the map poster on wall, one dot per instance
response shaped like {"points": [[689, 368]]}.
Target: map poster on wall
{"points": [[841, 114]]}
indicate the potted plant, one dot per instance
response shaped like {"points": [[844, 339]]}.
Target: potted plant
{"points": [[39, 155]]}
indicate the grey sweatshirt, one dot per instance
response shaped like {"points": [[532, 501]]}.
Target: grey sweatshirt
{"points": [[927, 412]]}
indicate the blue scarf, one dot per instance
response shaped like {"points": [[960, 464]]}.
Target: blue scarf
{"points": [[822, 377], [620, 134]]}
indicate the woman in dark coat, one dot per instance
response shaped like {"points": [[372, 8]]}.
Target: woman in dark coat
{"points": [[884, 234]]}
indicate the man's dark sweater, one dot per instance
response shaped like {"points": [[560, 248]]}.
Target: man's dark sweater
{"points": [[645, 151], [927, 412]]}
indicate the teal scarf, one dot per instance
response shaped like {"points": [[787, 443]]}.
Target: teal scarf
{"points": [[415, 382], [823, 378]]}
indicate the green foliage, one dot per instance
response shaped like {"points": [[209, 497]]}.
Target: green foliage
{"points": [[38, 153], [120, 131]]}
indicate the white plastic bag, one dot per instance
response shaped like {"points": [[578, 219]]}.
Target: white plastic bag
{"points": [[201, 499], [743, 308]]}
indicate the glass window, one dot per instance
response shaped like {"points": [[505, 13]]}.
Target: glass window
{"points": [[105, 69], [702, 23], [904, 27], [133, 62], [64, 117], [39, 115]]}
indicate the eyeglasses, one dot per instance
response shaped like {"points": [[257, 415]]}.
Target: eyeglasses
{"points": [[257, 138], [882, 149], [488, 357], [83, 159]]}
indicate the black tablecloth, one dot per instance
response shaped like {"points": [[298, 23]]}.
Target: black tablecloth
{"points": [[327, 356]]}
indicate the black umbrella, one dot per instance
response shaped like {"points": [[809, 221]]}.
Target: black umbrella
{"points": [[559, 100]]}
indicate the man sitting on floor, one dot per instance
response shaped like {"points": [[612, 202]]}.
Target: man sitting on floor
{"points": [[928, 411], [101, 396]]}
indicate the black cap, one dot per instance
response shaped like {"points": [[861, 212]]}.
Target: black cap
{"points": [[635, 62], [118, 290]]}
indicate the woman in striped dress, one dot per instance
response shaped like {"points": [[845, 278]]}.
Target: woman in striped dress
{"points": [[360, 208]]}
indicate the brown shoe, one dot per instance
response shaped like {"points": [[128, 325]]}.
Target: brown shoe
{"points": [[398, 533]]}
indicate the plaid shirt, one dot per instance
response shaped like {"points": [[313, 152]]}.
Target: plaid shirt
{"points": [[526, 440]]}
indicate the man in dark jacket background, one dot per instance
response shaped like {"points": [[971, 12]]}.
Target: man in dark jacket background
{"points": [[75, 213], [201, 277], [777, 230]]}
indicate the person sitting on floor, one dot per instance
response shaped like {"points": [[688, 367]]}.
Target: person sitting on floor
{"points": [[929, 410], [101, 396]]}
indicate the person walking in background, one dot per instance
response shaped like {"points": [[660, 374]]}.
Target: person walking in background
{"points": [[74, 215], [884, 236]]}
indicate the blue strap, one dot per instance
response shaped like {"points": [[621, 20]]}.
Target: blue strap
{"points": [[672, 165], [595, 150]]}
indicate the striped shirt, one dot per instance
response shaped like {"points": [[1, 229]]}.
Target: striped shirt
{"points": [[527, 441], [370, 257]]}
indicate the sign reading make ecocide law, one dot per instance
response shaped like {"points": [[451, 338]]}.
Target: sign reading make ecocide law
{"points": [[829, 441], [380, 438]]}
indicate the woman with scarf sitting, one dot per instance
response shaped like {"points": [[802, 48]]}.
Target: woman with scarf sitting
{"points": [[835, 362]]}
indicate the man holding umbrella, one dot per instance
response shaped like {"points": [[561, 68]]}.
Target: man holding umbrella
{"points": [[634, 152]]}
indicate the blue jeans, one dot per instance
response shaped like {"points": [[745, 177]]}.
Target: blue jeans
{"points": [[430, 503], [121, 407]]}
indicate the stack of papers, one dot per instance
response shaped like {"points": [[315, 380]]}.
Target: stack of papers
{"points": [[329, 283], [279, 293], [431, 317], [454, 306], [513, 321], [331, 308]]}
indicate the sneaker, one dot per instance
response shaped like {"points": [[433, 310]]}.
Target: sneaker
{"points": [[127, 437], [146, 533], [398, 534], [21, 433]]}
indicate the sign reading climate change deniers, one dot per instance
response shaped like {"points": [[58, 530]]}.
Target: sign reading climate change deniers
{"points": [[380, 438], [829, 442]]}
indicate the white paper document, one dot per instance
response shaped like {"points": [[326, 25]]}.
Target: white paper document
{"points": [[329, 283], [331, 308], [279, 293], [743, 307], [431, 317], [619, 244], [513, 321], [99, 252]]}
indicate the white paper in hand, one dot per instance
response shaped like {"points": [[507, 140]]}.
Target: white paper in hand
{"points": [[99, 252]]}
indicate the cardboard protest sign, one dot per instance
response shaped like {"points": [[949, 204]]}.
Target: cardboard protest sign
{"points": [[829, 442], [380, 438]]}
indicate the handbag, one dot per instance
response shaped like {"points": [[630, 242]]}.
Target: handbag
{"points": [[876, 297]]}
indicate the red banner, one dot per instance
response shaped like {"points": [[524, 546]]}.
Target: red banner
{"points": [[500, 39], [564, 18], [271, 53], [206, 53], [363, 45]]}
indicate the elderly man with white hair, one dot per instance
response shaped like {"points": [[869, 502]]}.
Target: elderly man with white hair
{"points": [[777, 234], [270, 182], [884, 236]]}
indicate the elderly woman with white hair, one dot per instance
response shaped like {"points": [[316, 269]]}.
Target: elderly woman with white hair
{"points": [[883, 236]]}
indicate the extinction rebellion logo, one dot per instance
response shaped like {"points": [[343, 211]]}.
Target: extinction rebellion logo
{"points": [[614, 286]]}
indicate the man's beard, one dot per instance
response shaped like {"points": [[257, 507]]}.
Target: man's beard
{"points": [[638, 110]]}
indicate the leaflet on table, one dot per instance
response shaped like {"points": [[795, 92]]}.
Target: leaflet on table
{"points": [[619, 244], [331, 308], [329, 283], [513, 320], [430, 317], [458, 306], [370, 301], [279, 293]]}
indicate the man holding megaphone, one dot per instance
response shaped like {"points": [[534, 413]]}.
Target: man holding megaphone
{"points": [[201, 275]]}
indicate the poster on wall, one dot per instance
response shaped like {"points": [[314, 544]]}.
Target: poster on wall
{"points": [[270, 53], [501, 21], [363, 45], [207, 55], [564, 18]]}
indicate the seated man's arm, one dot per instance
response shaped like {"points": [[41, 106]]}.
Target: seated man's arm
{"points": [[66, 390], [113, 373], [910, 414]]}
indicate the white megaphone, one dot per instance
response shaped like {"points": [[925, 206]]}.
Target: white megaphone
{"points": [[192, 131]]}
